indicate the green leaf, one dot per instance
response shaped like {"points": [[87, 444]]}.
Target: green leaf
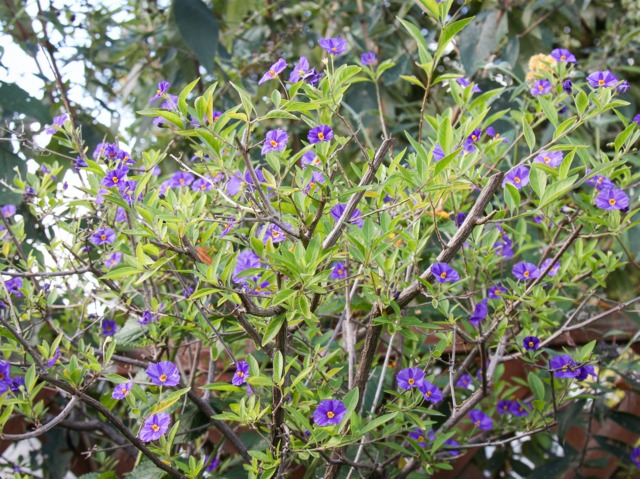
{"points": [[198, 28], [272, 329], [558, 189], [170, 400], [582, 101], [282, 296], [512, 197], [622, 136], [278, 361], [423, 50], [449, 32], [378, 422], [538, 180], [529, 136], [549, 110], [536, 385]]}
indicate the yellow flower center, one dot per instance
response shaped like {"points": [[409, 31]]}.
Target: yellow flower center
{"points": [[563, 57], [330, 414], [477, 423], [612, 202], [600, 82], [273, 143], [525, 274], [429, 393], [258, 289], [420, 438], [302, 72], [159, 92], [547, 159], [181, 181], [340, 272], [272, 73], [155, 428], [321, 136], [600, 179], [163, 378], [240, 374], [203, 186], [103, 236], [516, 179], [334, 49], [114, 179], [1, 376], [565, 368], [411, 381], [497, 135], [530, 343], [443, 275], [540, 87], [124, 391], [474, 137], [505, 407], [275, 234]]}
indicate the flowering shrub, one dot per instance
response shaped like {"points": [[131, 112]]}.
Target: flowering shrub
{"points": [[325, 313]]}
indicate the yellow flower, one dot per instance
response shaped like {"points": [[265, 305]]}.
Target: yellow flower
{"points": [[538, 64]]}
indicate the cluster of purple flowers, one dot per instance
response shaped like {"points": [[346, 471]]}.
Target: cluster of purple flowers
{"points": [[563, 366], [513, 407], [409, 378], [609, 197]]}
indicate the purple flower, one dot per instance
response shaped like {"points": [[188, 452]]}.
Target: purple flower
{"points": [[338, 210], [187, 291], [329, 412], [550, 158], [410, 378], [464, 381], [122, 390], [273, 232], [540, 87], [241, 374], [601, 79], [554, 269], [313, 77], [464, 83], [127, 189], [163, 86], [420, 437], [531, 343], [109, 327], [113, 177], [585, 371], [481, 420], [430, 392], [79, 163], [623, 87], [518, 177], [636, 119], [103, 236], [368, 59], [495, 135], [320, 133], [518, 409], [469, 143], [261, 289], [202, 184], [479, 312], [171, 103], [525, 271], [600, 182], [276, 68], [213, 465], [8, 210], [121, 215], [443, 273], [54, 359], [635, 456], [459, 219], [164, 373], [181, 178], [155, 426], [503, 247], [311, 159], [16, 384], [227, 226], [504, 406], [453, 444], [113, 260], [5, 376], [300, 70], [276, 140], [612, 199], [247, 259], [563, 55], [567, 86], [333, 46], [148, 317], [14, 285], [57, 121], [438, 153], [339, 271], [563, 366]]}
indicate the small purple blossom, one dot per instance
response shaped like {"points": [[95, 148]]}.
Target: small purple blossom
{"points": [[54, 359], [635, 456], [338, 210], [241, 374], [504, 406], [464, 381], [563, 366], [320, 133], [459, 219], [623, 87], [113, 260], [549, 158], [600, 182], [181, 178], [636, 119], [164, 373], [563, 55], [602, 79], [481, 420], [410, 378], [109, 327], [339, 271], [121, 215], [420, 437], [469, 143], [612, 199], [479, 312], [16, 384], [155, 426], [518, 177], [273, 232], [5, 376], [443, 273], [438, 153], [567, 86], [103, 236], [57, 121], [495, 135], [276, 140], [148, 317], [329, 412], [554, 269], [531, 343], [163, 86], [525, 271], [585, 371], [430, 392], [8, 210], [120, 391], [452, 443], [14, 285], [518, 409], [540, 87], [368, 59], [333, 46], [300, 70], [272, 73], [202, 184], [247, 259], [464, 83]]}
